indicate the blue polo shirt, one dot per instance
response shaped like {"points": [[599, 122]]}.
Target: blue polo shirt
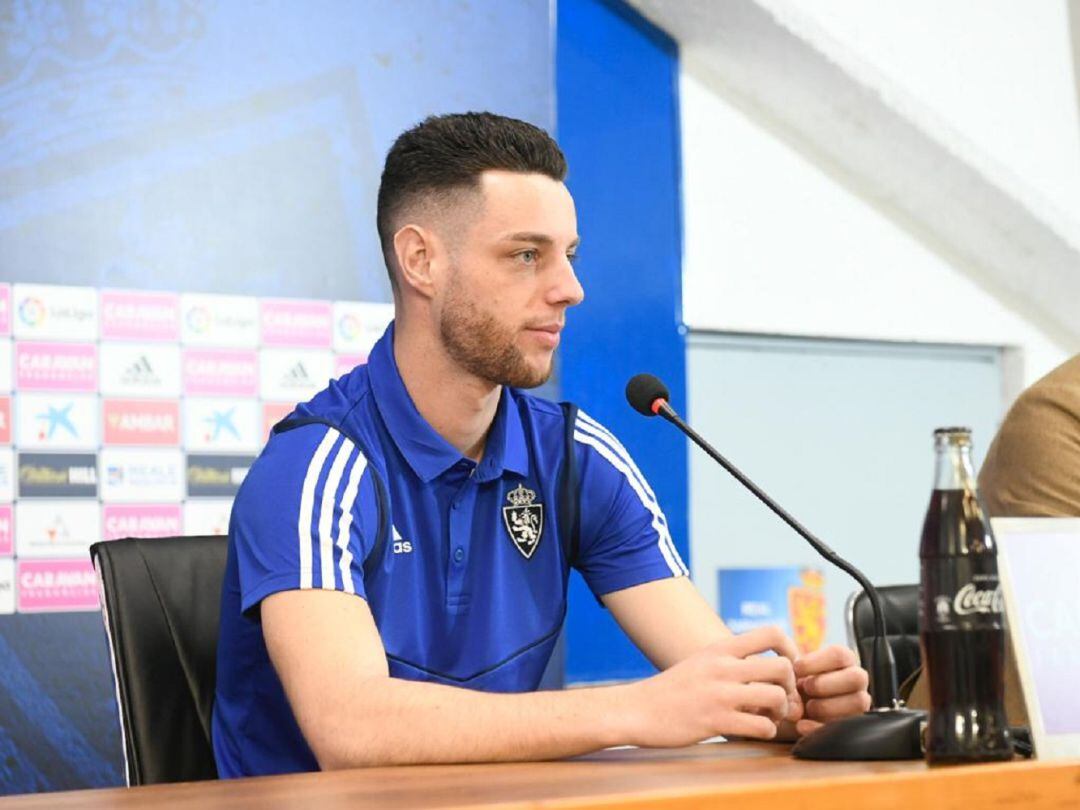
{"points": [[463, 565]]}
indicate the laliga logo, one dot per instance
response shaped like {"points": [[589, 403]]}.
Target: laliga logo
{"points": [[31, 311], [198, 319], [349, 326]]}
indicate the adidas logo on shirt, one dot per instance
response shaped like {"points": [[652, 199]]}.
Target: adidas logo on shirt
{"points": [[401, 546]]}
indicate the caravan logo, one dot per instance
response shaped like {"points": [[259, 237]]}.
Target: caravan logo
{"points": [[142, 520], [56, 585], [56, 366], [7, 535], [139, 316], [296, 323], [221, 372]]}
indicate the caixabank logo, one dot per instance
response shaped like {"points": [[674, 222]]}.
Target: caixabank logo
{"points": [[57, 422], [221, 424], [216, 476]]}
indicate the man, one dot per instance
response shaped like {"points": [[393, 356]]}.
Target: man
{"points": [[399, 552], [1032, 468]]}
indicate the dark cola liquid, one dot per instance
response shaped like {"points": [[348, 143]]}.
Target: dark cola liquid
{"points": [[961, 622]]}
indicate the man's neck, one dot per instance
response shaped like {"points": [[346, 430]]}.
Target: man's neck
{"points": [[460, 407]]}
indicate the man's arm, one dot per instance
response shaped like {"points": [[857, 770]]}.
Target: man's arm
{"points": [[353, 713], [669, 620]]}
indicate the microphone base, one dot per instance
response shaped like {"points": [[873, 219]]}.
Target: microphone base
{"points": [[877, 734]]}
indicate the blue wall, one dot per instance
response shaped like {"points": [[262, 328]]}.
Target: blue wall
{"points": [[617, 104]]}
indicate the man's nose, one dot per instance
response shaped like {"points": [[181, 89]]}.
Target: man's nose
{"points": [[568, 290]]}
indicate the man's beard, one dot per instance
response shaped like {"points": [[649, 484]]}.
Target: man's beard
{"points": [[483, 346]]}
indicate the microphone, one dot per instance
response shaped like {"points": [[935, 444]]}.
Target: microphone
{"points": [[888, 730]]}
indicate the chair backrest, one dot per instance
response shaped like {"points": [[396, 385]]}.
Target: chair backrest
{"points": [[900, 603], [161, 601]]}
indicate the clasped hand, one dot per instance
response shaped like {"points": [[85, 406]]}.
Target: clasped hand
{"points": [[730, 688]]}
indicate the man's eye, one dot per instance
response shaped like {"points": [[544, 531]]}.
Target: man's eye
{"points": [[572, 258], [529, 256]]}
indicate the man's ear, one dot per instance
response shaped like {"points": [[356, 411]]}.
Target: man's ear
{"points": [[414, 248]]}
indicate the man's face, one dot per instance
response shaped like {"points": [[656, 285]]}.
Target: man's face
{"points": [[504, 302]]}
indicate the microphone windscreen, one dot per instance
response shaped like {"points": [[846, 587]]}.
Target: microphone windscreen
{"points": [[643, 390]]}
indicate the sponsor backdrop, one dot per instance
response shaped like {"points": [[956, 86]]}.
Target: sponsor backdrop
{"points": [[127, 413], [152, 152]]}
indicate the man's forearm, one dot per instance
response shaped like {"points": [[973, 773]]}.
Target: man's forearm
{"points": [[389, 721]]}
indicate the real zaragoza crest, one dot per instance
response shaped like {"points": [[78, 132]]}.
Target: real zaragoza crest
{"points": [[524, 519]]}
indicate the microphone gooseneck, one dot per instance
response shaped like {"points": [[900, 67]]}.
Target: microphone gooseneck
{"points": [[895, 733]]}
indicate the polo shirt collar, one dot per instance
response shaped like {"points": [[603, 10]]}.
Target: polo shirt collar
{"points": [[428, 453]]}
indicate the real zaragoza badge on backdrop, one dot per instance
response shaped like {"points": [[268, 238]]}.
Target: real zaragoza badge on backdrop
{"points": [[524, 519], [806, 604]]}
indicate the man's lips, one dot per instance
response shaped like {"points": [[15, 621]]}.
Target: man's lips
{"points": [[546, 334]]}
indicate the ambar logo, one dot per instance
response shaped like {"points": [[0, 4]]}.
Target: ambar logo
{"points": [[142, 422]]}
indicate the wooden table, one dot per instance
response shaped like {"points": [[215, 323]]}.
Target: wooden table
{"points": [[727, 775]]}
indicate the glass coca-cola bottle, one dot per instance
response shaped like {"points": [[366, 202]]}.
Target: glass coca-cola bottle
{"points": [[961, 614]]}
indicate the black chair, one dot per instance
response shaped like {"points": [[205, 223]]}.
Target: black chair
{"points": [[161, 600], [900, 603]]}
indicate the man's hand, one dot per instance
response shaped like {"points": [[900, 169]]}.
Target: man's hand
{"points": [[832, 685], [727, 688]]}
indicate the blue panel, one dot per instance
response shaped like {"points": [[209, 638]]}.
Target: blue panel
{"points": [[616, 78], [235, 147]]}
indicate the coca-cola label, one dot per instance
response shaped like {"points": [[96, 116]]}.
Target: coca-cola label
{"points": [[961, 593]]}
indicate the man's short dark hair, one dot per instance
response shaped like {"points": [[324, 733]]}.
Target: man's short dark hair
{"points": [[447, 153]]}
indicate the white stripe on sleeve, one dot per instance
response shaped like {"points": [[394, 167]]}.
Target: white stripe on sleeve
{"points": [[663, 539], [348, 499], [589, 425], [326, 514], [307, 504]]}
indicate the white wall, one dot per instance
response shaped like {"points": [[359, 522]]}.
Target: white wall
{"points": [[773, 244], [999, 72]]}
